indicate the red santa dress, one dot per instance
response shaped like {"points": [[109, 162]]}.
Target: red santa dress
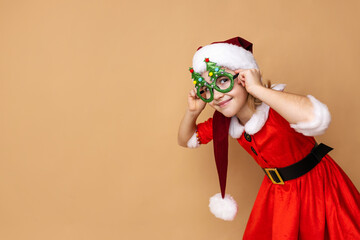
{"points": [[322, 204]]}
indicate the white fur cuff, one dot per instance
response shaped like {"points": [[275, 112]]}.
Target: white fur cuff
{"points": [[320, 122], [224, 208], [193, 141]]}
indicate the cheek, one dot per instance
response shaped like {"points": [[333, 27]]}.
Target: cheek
{"points": [[238, 92], [212, 104]]}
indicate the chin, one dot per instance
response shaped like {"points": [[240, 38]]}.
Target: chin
{"points": [[227, 113]]}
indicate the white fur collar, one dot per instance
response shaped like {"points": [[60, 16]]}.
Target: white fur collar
{"points": [[257, 120]]}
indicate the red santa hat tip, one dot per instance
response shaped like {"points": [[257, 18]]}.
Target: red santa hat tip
{"points": [[234, 53]]}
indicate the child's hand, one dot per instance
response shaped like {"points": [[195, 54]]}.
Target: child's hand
{"points": [[249, 78], [195, 104]]}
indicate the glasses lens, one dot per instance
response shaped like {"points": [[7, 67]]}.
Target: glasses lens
{"points": [[223, 82], [204, 92]]}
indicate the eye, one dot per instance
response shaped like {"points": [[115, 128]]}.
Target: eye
{"points": [[222, 80], [204, 90]]}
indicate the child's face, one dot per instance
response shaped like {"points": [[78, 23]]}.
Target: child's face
{"points": [[230, 103]]}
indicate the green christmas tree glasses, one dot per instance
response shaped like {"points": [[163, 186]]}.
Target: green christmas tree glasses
{"points": [[220, 80]]}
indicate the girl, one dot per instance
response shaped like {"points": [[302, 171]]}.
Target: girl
{"points": [[305, 194]]}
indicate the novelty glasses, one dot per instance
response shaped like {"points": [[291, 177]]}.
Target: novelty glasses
{"points": [[220, 80]]}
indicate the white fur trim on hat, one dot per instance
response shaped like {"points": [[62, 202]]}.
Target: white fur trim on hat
{"points": [[193, 141], [320, 122], [225, 55], [257, 120], [223, 208]]}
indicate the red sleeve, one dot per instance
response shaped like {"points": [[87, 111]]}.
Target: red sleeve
{"points": [[205, 131], [276, 118]]}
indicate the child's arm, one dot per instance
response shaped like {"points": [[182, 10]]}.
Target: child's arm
{"points": [[294, 108], [188, 123]]}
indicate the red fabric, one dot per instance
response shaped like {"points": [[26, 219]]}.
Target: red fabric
{"points": [[221, 142], [205, 133], [322, 204], [238, 41]]}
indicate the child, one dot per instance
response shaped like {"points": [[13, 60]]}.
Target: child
{"points": [[304, 194]]}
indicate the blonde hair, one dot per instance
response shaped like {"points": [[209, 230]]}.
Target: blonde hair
{"points": [[254, 102]]}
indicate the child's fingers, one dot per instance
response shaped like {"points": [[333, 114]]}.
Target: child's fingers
{"points": [[192, 93]]}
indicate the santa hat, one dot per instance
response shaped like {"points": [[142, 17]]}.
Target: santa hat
{"points": [[235, 53]]}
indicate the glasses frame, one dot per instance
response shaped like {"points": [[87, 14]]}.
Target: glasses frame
{"points": [[213, 86]]}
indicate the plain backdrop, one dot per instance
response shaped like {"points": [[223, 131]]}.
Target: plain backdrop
{"points": [[92, 93]]}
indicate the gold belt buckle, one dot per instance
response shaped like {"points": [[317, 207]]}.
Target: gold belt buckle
{"points": [[268, 170]]}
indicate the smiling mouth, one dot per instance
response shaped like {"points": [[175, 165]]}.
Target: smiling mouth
{"points": [[224, 103]]}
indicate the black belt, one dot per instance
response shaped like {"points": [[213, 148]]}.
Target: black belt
{"points": [[279, 175]]}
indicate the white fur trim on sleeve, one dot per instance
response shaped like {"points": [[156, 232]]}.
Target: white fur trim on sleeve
{"points": [[193, 141], [223, 208], [320, 122]]}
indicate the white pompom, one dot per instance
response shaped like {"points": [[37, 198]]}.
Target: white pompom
{"points": [[224, 208]]}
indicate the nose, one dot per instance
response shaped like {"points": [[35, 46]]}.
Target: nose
{"points": [[218, 95]]}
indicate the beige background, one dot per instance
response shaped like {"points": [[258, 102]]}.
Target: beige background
{"points": [[92, 92]]}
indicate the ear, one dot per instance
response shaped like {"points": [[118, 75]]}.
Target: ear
{"points": [[241, 82]]}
